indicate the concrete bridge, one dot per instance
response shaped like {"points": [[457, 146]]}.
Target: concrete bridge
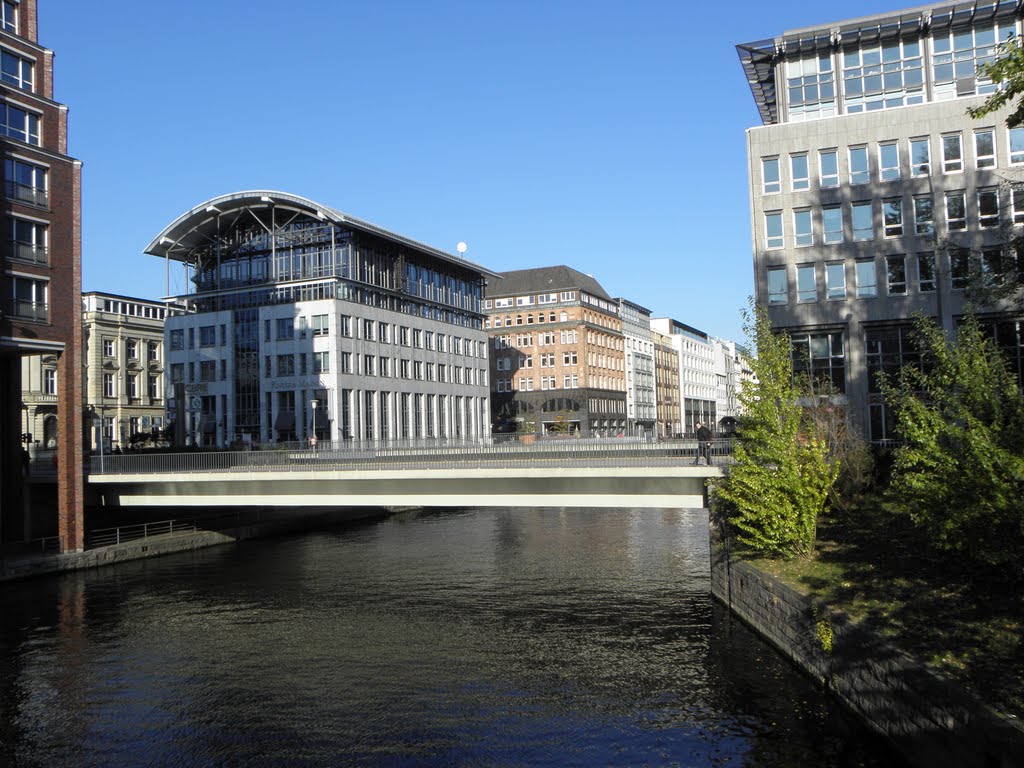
{"points": [[562, 473]]}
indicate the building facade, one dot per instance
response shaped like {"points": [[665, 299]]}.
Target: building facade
{"points": [[641, 398], [698, 380], [666, 384], [306, 322], [873, 194], [40, 270], [558, 359]]}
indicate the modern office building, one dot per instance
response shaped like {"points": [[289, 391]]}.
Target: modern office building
{"points": [[641, 401], [40, 269], [698, 381], [558, 353], [873, 192], [308, 322]]}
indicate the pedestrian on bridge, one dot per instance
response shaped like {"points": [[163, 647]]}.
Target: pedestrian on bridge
{"points": [[704, 438]]}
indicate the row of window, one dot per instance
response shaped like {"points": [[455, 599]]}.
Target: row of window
{"points": [[131, 382], [995, 265], [527, 301], [551, 317], [898, 219], [131, 349], [545, 359], [893, 74], [526, 383], [889, 161]]}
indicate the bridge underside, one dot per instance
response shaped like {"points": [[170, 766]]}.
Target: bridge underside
{"points": [[653, 487]]}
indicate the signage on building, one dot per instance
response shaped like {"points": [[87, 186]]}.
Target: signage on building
{"points": [[301, 382], [196, 389]]}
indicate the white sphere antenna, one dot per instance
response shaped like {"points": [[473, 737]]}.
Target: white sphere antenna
{"points": [[461, 248]]}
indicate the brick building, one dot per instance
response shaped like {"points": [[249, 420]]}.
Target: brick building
{"points": [[40, 268], [558, 359]]}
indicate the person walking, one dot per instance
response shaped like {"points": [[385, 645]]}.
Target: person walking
{"points": [[703, 444]]}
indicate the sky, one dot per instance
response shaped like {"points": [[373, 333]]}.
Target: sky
{"points": [[606, 136]]}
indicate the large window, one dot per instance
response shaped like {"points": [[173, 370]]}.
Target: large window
{"points": [[956, 57], [108, 385], [920, 157], [773, 230], [1017, 145], [26, 182], [828, 161], [800, 173], [29, 298], [770, 180], [985, 148], [208, 336], [952, 153], [9, 16], [959, 267], [777, 290], [888, 351], [879, 77], [16, 71], [926, 272], [802, 230], [889, 161], [896, 275], [892, 217], [863, 225], [988, 207], [1017, 197], [924, 216], [18, 123], [811, 88], [28, 240], [821, 356], [956, 211], [321, 362], [860, 171]]}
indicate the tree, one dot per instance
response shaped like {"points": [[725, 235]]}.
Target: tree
{"points": [[780, 481], [1008, 70], [959, 469]]}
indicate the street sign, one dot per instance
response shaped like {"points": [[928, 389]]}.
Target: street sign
{"points": [[195, 404]]}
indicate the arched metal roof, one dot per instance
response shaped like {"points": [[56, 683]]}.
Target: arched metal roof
{"points": [[199, 225]]}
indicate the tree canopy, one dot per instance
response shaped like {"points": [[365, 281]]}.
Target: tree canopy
{"points": [[1008, 70]]}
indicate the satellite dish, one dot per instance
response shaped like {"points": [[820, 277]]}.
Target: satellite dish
{"points": [[461, 247]]}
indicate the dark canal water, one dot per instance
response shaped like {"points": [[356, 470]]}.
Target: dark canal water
{"points": [[478, 638]]}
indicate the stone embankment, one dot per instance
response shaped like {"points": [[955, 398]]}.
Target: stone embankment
{"points": [[929, 719]]}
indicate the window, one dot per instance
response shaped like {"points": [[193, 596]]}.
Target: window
{"points": [[892, 217], [9, 16], [569, 358], [828, 162], [887, 351], [867, 279], [30, 298], [346, 362], [952, 153], [924, 217], [108, 385], [802, 230], [285, 365], [926, 272], [985, 148], [383, 365], [207, 336], [835, 280], [959, 267], [988, 207], [1018, 205], [19, 123], [547, 360], [191, 338], [860, 173], [879, 77], [889, 161], [773, 230], [1017, 145], [49, 381], [956, 211], [345, 326], [321, 325], [26, 182], [178, 372], [896, 275], [417, 338], [16, 71], [821, 356], [777, 289], [383, 333], [810, 84], [806, 290], [369, 365], [132, 349], [369, 329], [956, 56], [995, 266], [108, 347], [770, 180], [863, 225], [208, 370], [321, 362], [799, 172], [832, 224], [28, 240], [417, 370], [920, 157]]}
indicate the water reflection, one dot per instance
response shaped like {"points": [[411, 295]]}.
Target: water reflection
{"points": [[497, 637]]}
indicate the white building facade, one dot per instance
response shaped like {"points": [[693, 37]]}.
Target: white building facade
{"points": [[641, 398]]}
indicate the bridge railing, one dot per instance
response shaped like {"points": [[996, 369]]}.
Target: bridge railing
{"points": [[440, 454]]}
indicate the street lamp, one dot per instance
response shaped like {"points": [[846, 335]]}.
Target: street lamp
{"points": [[315, 404]]}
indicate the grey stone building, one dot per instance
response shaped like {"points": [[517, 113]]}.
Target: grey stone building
{"points": [[872, 191]]}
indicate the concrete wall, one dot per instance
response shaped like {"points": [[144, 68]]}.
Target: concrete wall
{"points": [[929, 719]]}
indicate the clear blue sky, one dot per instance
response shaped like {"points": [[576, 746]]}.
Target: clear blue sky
{"points": [[608, 136]]}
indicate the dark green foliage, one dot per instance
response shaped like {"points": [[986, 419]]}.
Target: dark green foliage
{"points": [[1008, 69]]}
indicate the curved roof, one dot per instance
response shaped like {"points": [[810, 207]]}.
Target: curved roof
{"points": [[199, 225]]}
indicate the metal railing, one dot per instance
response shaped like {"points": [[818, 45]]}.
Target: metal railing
{"points": [[105, 537], [438, 454]]}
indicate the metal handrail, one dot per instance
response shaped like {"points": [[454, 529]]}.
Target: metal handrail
{"points": [[397, 455], [105, 537]]}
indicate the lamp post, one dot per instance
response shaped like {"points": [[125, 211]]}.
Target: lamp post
{"points": [[314, 404]]}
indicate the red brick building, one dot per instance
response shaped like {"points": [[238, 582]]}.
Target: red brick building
{"points": [[40, 270]]}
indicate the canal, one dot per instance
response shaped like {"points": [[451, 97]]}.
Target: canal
{"points": [[460, 638]]}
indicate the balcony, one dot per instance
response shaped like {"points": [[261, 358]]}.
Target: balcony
{"points": [[27, 194], [33, 254]]}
